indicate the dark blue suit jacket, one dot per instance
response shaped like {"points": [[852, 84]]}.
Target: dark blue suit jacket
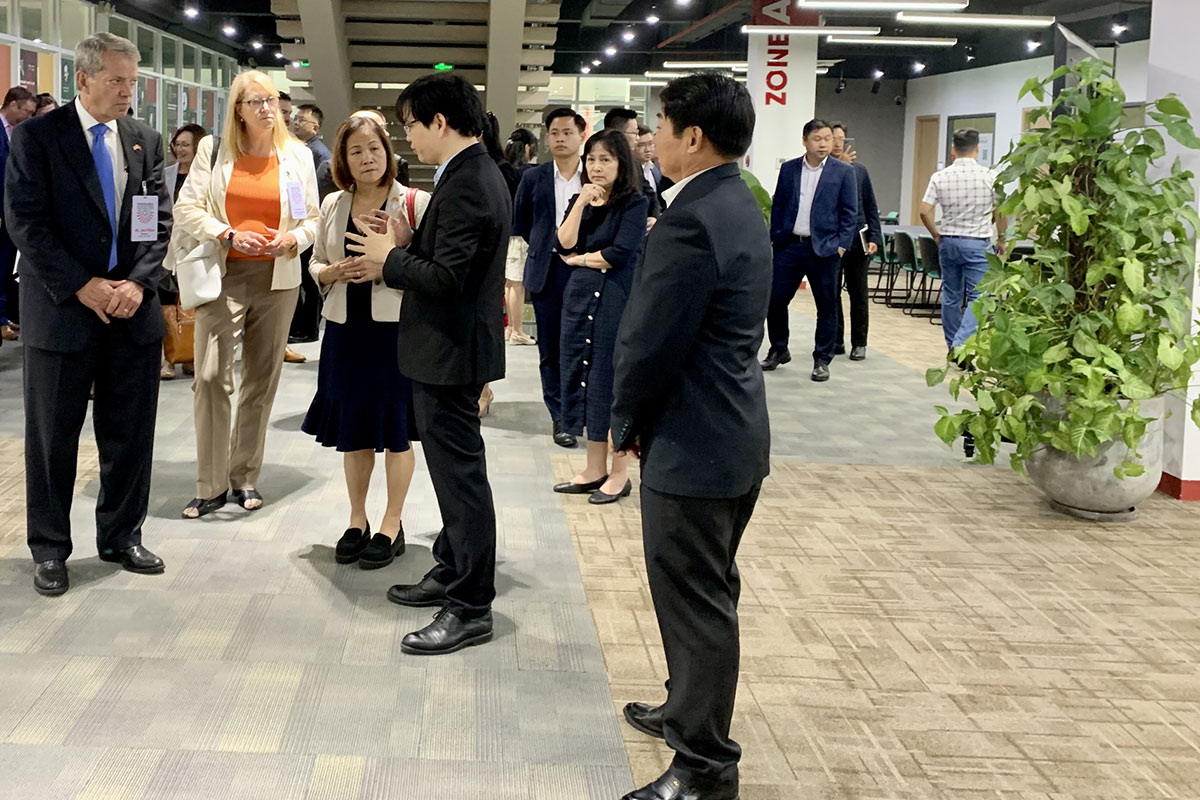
{"points": [[534, 221], [834, 221], [4, 147]]}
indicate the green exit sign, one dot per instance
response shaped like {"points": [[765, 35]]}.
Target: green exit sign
{"points": [[304, 63], [442, 67]]}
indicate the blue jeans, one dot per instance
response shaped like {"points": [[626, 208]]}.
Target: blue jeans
{"points": [[964, 263]]}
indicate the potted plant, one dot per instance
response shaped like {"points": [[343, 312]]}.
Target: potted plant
{"points": [[1080, 340], [760, 194]]}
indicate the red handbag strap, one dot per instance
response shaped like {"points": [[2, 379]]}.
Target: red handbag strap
{"points": [[410, 200]]}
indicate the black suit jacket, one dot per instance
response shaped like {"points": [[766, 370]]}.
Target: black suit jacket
{"points": [[452, 318], [535, 221], [54, 210], [688, 383], [868, 208], [834, 206]]}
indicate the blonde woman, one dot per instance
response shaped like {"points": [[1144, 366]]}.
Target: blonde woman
{"points": [[259, 201], [363, 404]]}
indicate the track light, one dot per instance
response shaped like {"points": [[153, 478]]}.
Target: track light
{"points": [[610, 51], [628, 36], [596, 62], [969, 51], [256, 44], [191, 12], [878, 75], [878, 84], [841, 86], [1120, 24], [228, 29], [1033, 43], [652, 19], [918, 67]]}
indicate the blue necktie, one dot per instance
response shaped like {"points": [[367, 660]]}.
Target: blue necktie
{"points": [[108, 184]]}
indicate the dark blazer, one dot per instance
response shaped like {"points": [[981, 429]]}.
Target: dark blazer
{"points": [[5, 147], [834, 208], [868, 208], [688, 383], [451, 330], [534, 221], [323, 162], [54, 210]]}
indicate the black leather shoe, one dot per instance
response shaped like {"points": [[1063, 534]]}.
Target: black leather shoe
{"points": [[820, 372], [562, 438], [350, 547], [50, 578], [418, 595], [775, 358], [858, 354], [673, 786], [600, 498], [382, 550], [135, 559], [448, 634], [579, 488], [645, 718]]}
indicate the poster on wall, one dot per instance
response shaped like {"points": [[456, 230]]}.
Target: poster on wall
{"points": [[29, 66], [987, 143]]}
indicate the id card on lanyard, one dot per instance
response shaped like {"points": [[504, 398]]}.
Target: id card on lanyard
{"points": [[295, 194], [143, 220]]}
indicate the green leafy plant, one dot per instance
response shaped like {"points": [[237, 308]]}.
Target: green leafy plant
{"points": [[760, 194], [1074, 336]]}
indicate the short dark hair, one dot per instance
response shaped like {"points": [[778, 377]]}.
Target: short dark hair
{"points": [[195, 130], [839, 126], [814, 125], [965, 140], [451, 95], [516, 149], [284, 96], [559, 113], [643, 130], [19, 94], [45, 99], [314, 110], [718, 105], [629, 175], [618, 116], [340, 169]]}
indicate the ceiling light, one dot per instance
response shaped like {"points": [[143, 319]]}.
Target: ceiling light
{"points": [[1033, 43], [683, 2], [664, 75], [734, 65], [628, 36], [647, 83], [1120, 24], [256, 44], [279, 55], [977, 20], [822, 70], [596, 62], [841, 86], [610, 51], [879, 74], [228, 29], [918, 66], [191, 12], [652, 19], [585, 70], [895, 41], [883, 5], [810, 30]]}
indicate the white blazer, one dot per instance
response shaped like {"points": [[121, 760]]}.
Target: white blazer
{"points": [[330, 248], [170, 173], [200, 210]]}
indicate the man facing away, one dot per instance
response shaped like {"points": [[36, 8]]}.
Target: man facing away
{"points": [[856, 259], [540, 207], [966, 192], [306, 320], [813, 219], [451, 343], [688, 386], [19, 105], [86, 203]]}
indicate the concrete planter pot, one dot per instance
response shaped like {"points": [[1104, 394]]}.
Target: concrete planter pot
{"points": [[1087, 487]]}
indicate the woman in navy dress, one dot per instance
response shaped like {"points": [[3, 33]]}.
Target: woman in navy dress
{"points": [[363, 404], [601, 239]]}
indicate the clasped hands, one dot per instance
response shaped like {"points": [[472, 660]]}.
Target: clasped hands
{"points": [[252, 243], [380, 234], [120, 299]]}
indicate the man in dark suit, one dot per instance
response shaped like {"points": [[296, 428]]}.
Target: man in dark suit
{"points": [[451, 342], [541, 204], [19, 105], [625, 121], [306, 320], [813, 220], [86, 204], [856, 259], [689, 394]]}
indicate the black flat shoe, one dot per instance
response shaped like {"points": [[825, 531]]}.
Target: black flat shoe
{"points": [[350, 547], [579, 488], [562, 438], [134, 559], [447, 634], [243, 496], [203, 506], [382, 550], [50, 578], [418, 595], [677, 786], [600, 498], [645, 718]]}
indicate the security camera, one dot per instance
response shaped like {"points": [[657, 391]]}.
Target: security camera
{"points": [[899, 100]]}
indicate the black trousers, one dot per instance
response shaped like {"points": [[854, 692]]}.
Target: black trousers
{"points": [[794, 263], [854, 281], [547, 312], [691, 545], [123, 415], [465, 550], [306, 321], [10, 301]]}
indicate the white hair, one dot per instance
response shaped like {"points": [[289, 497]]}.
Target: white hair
{"points": [[89, 53]]}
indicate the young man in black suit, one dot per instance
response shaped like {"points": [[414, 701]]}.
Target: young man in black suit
{"points": [[625, 121], [689, 394], [451, 342], [86, 205]]}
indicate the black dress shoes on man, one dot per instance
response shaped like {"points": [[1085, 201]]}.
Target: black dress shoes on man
{"points": [[674, 786], [645, 718], [858, 353], [50, 577], [418, 595], [775, 358], [820, 372], [448, 633], [562, 438], [135, 559]]}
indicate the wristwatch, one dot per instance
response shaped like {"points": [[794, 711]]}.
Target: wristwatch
{"points": [[229, 237]]}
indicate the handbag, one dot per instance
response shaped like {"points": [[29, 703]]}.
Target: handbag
{"points": [[179, 345], [196, 265]]}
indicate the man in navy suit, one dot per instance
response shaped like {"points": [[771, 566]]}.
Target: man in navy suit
{"points": [[814, 220], [19, 105], [540, 206]]}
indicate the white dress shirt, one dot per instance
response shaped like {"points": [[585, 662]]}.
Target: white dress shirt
{"points": [[115, 151], [809, 178], [564, 190], [669, 195], [648, 171], [8, 127], [966, 192]]}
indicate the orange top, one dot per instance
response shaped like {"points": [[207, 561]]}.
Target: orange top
{"points": [[252, 200]]}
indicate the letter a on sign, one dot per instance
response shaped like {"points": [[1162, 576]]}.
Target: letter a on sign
{"points": [[778, 11]]}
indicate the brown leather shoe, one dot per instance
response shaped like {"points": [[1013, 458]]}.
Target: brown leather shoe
{"points": [[290, 356]]}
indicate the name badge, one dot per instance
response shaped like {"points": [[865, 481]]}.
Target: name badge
{"points": [[144, 218], [297, 206]]}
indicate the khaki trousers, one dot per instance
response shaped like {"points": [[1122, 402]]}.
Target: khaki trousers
{"points": [[262, 317]]}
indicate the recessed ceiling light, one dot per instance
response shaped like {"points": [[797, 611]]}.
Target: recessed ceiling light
{"points": [[229, 30], [279, 55], [977, 20], [1033, 43], [918, 66], [256, 44], [596, 62], [610, 51], [879, 74], [585, 70], [683, 2], [191, 12], [652, 19], [628, 36], [295, 65]]}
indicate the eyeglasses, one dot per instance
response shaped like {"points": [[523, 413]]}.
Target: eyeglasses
{"points": [[260, 102], [408, 126]]}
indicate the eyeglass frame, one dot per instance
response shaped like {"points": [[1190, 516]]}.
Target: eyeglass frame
{"points": [[261, 102]]}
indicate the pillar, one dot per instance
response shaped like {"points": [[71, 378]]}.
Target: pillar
{"points": [[506, 38], [1172, 68], [325, 41]]}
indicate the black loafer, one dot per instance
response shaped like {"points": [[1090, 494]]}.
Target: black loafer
{"points": [[579, 488], [448, 634], [350, 547], [418, 595], [135, 559], [775, 358], [562, 438], [382, 550], [600, 498], [676, 786], [820, 373], [50, 578], [645, 718], [858, 353]]}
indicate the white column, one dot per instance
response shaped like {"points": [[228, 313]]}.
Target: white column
{"points": [[324, 37], [506, 36], [1172, 68], [782, 80]]}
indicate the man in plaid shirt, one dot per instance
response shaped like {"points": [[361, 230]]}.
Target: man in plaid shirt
{"points": [[965, 191]]}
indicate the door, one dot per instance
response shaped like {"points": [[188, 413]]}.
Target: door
{"points": [[926, 161]]}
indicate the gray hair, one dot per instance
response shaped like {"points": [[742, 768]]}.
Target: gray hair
{"points": [[89, 53]]}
